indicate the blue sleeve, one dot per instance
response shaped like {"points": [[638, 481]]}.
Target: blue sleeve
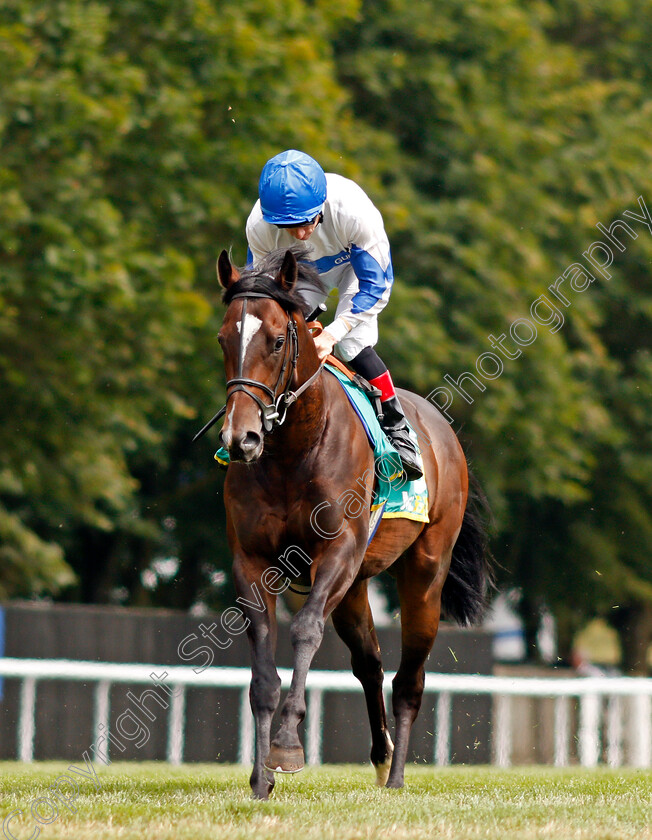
{"points": [[372, 280]]}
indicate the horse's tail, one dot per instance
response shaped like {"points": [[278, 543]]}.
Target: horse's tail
{"points": [[470, 578]]}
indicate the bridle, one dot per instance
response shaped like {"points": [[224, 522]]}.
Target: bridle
{"points": [[273, 413], [270, 412]]}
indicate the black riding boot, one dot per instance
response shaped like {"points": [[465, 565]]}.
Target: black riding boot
{"points": [[395, 427]]}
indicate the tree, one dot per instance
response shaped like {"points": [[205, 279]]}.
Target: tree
{"points": [[132, 136], [517, 143], [95, 320]]}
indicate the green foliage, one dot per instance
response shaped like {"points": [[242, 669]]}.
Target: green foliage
{"points": [[131, 138], [494, 137], [527, 125], [96, 318]]}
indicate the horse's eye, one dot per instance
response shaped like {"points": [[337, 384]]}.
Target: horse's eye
{"points": [[280, 341]]}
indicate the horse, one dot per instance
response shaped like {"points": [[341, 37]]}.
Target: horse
{"points": [[296, 446]]}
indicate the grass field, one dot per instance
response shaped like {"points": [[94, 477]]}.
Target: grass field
{"points": [[202, 802]]}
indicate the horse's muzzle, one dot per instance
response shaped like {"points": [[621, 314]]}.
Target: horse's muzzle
{"points": [[246, 448]]}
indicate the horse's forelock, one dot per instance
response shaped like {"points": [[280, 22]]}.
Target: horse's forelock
{"points": [[265, 285], [262, 278]]}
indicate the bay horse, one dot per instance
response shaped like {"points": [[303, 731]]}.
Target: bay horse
{"points": [[296, 446]]}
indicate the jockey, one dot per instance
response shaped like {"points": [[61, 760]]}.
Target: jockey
{"points": [[351, 252]]}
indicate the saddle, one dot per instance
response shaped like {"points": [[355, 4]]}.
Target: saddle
{"points": [[374, 394]]}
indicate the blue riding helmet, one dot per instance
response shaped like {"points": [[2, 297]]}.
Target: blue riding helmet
{"points": [[292, 188]]}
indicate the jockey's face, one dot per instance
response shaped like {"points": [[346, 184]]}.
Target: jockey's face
{"points": [[304, 231]]}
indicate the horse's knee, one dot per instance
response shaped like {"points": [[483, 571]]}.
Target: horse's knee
{"points": [[307, 629], [265, 692]]}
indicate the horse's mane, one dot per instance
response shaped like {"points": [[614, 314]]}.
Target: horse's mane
{"points": [[262, 278]]}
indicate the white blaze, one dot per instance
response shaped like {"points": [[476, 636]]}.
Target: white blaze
{"points": [[251, 327]]}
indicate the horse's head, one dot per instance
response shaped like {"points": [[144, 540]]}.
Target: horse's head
{"points": [[260, 342]]}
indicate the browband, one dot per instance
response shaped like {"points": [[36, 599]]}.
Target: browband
{"points": [[252, 295]]}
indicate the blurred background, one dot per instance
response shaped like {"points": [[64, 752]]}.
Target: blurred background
{"points": [[494, 135]]}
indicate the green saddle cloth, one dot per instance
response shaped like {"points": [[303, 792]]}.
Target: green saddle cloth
{"points": [[392, 494]]}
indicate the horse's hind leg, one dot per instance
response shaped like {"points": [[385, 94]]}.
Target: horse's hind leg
{"points": [[354, 624], [420, 578]]}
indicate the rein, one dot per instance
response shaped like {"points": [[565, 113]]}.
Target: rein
{"points": [[271, 415]]}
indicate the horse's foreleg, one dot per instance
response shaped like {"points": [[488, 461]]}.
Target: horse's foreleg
{"points": [[354, 624], [265, 689], [264, 696], [307, 630], [333, 577]]}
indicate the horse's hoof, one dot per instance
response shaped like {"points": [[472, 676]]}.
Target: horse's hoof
{"points": [[382, 770], [282, 760], [396, 784], [262, 784]]}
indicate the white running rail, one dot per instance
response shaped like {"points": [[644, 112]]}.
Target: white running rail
{"points": [[609, 707]]}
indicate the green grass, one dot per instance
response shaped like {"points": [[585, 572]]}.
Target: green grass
{"points": [[198, 802]]}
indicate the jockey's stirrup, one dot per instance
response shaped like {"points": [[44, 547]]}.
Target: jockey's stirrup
{"points": [[394, 424]]}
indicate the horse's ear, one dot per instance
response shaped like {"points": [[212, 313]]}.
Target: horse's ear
{"points": [[289, 272], [226, 272]]}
